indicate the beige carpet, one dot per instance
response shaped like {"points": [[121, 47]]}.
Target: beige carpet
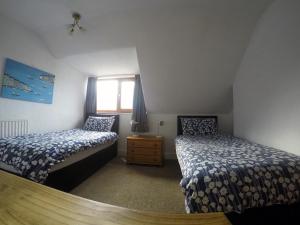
{"points": [[136, 187]]}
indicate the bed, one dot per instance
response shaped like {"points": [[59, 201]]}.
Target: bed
{"points": [[225, 173], [60, 159]]}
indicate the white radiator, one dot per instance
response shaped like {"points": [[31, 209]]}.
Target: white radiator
{"points": [[13, 128]]}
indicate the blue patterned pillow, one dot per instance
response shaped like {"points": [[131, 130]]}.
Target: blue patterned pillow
{"points": [[199, 126], [101, 124]]}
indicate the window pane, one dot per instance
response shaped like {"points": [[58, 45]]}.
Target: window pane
{"points": [[127, 88], [107, 94]]}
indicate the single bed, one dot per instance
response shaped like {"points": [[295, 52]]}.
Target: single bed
{"points": [[225, 173], [60, 159]]}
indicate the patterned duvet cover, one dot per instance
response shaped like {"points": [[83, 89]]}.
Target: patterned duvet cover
{"points": [[229, 174], [33, 155]]}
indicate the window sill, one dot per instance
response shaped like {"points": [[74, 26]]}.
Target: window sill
{"points": [[113, 112]]}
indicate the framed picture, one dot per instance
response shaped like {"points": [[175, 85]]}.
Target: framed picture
{"points": [[23, 82]]}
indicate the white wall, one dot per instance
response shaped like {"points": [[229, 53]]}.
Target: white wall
{"points": [[168, 130], [267, 87], [69, 88]]}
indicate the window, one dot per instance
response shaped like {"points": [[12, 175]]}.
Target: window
{"points": [[115, 95]]}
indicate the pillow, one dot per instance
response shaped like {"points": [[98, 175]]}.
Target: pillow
{"points": [[199, 126], [101, 124]]}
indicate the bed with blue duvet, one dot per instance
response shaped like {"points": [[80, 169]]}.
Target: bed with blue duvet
{"points": [[229, 174], [63, 156]]}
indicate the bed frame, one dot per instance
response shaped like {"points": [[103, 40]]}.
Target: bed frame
{"points": [[71, 176], [271, 215], [179, 125]]}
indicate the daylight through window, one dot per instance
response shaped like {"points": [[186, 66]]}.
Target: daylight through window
{"points": [[115, 95]]}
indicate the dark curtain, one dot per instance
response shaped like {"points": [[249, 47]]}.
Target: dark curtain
{"points": [[139, 113], [91, 97]]}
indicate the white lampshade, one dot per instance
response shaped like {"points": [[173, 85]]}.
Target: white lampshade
{"points": [[133, 122]]}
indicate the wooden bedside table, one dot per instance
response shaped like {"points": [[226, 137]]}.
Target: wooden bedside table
{"points": [[145, 149]]}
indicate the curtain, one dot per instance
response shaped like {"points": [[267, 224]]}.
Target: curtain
{"points": [[91, 97], [139, 113]]}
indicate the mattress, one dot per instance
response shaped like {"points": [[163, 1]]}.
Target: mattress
{"points": [[229, 174], [80, 156], [69, 161], [34, 156]]}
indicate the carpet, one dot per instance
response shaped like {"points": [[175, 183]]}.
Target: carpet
{"points": [[138, 187]]}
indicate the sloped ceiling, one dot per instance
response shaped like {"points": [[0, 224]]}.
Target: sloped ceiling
{"points": [[187, 51]]}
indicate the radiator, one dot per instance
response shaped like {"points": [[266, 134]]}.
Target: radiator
{"points": [[13, 128]]}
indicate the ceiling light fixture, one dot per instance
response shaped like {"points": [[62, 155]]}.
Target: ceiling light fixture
{"points": [[75, 25]]}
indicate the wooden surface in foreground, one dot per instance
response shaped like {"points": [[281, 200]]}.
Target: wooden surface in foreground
{"points": [[25, 202]]}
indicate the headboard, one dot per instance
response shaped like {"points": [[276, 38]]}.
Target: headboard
{"points": [[179, 126], [115, 127]]}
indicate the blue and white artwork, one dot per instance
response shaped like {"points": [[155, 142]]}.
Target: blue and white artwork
{"points": [[26, 83]]}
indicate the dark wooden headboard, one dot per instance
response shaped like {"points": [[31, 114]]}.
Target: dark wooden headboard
{"points": [[179, 126], [115, 127]]}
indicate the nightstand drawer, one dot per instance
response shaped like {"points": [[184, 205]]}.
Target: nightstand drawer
{"points": [[143, 151], [139, 159], [144, 144]]}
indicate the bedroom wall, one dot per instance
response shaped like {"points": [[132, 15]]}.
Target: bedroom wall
{"points": [[168, 130], [187, 56], [266, 90], [69, 89]]}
